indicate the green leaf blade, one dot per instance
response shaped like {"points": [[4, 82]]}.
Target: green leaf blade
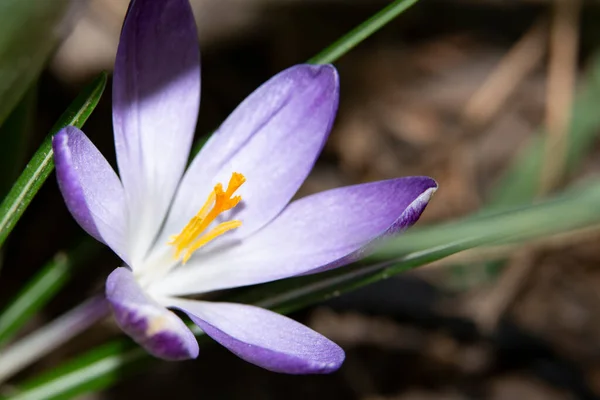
{"points": [[41, 164], [40, 289], [361, 32]]}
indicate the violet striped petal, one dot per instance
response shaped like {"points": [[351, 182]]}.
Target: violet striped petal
{"points": [[156, 95], [91, 189], [318, 232], [161, 332], [273, 138], [264, 338]]}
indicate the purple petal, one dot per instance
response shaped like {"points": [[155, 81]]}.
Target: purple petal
{"points": [[161, 332], [264, 338], [156, 95], [273, 138], [91, 189], [318, 232]]}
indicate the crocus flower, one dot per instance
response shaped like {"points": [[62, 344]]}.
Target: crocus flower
{"points": [[226, 221]]}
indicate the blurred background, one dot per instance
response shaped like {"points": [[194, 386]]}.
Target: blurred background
{"points": [[453, 89]]}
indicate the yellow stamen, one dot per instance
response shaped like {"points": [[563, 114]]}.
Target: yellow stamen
{"points": [[220, 201], [213, 233]]}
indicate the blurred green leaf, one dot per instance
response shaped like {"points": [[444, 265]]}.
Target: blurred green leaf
{"points": [[102, 367], [29, 32], [42, 287], [577, 209], [41, 164], [520, 183]]}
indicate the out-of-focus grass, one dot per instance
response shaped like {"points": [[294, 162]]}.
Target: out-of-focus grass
{"points": [[519, 185], [29, 31], [42, 287]]}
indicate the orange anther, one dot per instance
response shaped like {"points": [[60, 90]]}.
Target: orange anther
{"points": [[189, 239]]}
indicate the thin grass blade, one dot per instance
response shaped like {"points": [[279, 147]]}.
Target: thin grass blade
{"points": [[42, 163]]}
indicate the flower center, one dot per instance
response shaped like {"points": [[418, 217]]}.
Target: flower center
{"points": [[191, 238]]}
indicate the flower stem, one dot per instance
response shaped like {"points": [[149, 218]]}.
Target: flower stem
{"points": [[44, 340]]}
